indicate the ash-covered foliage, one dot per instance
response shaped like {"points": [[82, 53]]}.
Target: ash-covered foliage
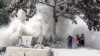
{"points": [[8, 6], [89, 8], [91, 11], [61, 8]]}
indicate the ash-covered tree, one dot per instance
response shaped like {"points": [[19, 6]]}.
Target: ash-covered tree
{"points": [[69, 8], [64, 8], [61, 8]]}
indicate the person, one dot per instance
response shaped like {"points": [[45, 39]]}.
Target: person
{"points": [[78, 40], [74, 44], [82, 39], [69, 41]]}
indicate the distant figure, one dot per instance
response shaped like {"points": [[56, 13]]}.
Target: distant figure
{"points": [[74, 42], [82, 40], [78, 40], [69, 41]]}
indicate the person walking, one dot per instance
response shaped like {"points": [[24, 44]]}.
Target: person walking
{"points": [[78, 40], [74, 44], [69, 41], [82, 40]]}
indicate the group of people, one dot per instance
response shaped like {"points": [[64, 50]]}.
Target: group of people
{"points": [[77, 41]]}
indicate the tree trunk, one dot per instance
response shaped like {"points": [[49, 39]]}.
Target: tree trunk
{"points": [[55, 21]]}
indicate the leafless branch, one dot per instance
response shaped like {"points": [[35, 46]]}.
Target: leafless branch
{"points": [[61, 14], [46, 4], [61, 4], [55, 2], [65, 16]]}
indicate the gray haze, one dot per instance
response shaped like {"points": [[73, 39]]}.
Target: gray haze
{"points": [[64, 28]]}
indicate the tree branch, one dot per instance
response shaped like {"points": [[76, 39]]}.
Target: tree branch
{"points": [[61, 14], [46, 4], [55, 2], [54, 10], [65, 16], [61, 4]]}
